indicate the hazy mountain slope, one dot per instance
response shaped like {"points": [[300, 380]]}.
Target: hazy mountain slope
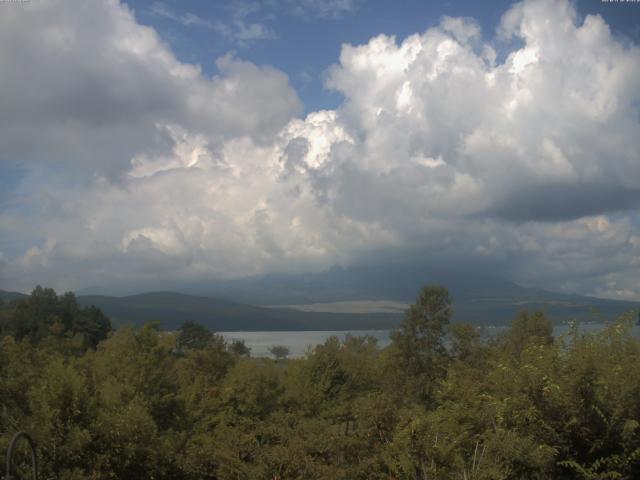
{"points": [[399, 282], [171, 309], [10, 296], [480, 298], [501, 311]]}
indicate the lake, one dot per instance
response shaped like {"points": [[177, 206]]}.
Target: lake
{"points": [[299, 341]]}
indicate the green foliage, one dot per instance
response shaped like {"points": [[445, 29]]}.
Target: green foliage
{"points": [[419, 343], [280, 352], [46, 316], [186, 405], [525, 329], [238, 347], [194, 336]]}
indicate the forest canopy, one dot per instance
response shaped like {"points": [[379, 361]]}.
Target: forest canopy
{"points": [[443, 401]]}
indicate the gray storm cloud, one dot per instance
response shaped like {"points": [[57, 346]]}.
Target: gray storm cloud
{"points": [[532, 161]]}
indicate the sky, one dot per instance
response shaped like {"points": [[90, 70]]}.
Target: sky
{"points": [[196, 141]]}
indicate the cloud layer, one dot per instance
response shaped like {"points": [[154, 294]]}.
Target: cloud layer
{"points": [[441, 151]]}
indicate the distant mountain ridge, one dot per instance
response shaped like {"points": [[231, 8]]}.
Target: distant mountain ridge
{"points": [[398, 282], [6, 296], [172, 309], [246, 304]]}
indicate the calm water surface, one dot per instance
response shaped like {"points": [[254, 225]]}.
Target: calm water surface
{"points": [[299, 342]]}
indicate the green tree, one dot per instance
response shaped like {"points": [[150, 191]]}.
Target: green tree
{"points": [[527, 328], [419, 342], [43, 314], [280, 352], [252, 390], [239, 348], [194, 336], [466, 344]]}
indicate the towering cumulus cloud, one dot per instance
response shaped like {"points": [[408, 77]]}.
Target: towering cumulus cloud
{"points": [[442, 149]]}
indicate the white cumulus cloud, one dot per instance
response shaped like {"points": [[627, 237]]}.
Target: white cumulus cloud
{"points": [[438, 151]]}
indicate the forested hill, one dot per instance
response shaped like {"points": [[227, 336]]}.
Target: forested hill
{"points": [[490, 305], [480, 296], [10, 296], [172, 309]]}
